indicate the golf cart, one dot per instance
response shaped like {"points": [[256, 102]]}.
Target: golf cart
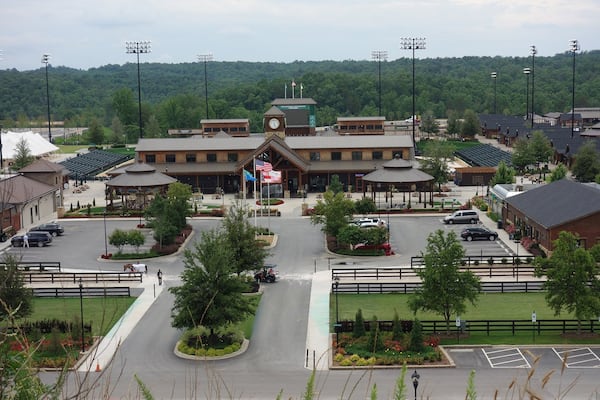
{"points": [[266, 274]]}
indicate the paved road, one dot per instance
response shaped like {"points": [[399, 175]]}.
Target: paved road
{"points": [[276, 358]]}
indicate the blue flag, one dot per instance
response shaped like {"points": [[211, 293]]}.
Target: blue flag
{"points": [[248, 176]]}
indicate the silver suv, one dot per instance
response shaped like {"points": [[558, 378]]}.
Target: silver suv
{"points": [[462, 217]]}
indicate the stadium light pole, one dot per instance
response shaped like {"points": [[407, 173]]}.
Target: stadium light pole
{"points": [[411, 43], [533, 52], [527, 72], [46, 60], [137, 48], [379, 55], [81, 314], [205, 58], [574, 48], [494, 76]]}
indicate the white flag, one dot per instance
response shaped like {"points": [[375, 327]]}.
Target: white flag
{"points": [[271, 176]]}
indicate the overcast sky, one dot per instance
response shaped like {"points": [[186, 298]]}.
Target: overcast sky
{"points": [[88, 33]]}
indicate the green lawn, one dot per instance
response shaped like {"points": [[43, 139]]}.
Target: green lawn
{"points": [[490, 306], [103, 312]]}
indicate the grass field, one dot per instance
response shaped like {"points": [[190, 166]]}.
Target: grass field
{"points": [[102, 312], [490, 306]]}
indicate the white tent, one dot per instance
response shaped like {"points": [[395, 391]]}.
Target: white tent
{"points": [[37, 144]]}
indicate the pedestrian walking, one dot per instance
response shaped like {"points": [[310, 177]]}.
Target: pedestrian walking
{"points": [[159, 275], [25, 240]]}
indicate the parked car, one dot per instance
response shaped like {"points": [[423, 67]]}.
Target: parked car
{"points": [[384, 246], [369, 222], [38, 239], [462, 217], [52, 228], [476, 233]]}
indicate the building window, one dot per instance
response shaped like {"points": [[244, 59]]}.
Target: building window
{"points": [[242, 129], [190, 158], [150, 158], [377, 155], [211, 157], [170, 158], [315, 156], [232, 157], [234, 129], [357, 155], [336, 155]]}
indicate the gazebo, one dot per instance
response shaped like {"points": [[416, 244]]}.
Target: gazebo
{"points": [[398, 175], [135, 184]]}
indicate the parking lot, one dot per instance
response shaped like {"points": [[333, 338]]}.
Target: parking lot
{"points": [[497, 357]]}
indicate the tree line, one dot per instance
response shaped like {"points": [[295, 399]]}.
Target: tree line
{"points": [[173, 95]]}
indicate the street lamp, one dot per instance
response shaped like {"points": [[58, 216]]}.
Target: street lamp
{"points": [[46, 60], [336, 284], [527, 71], [105, 237], [415, 380], [205, 58], [379, 55], [137, 48], [413, 44], [533, 52], [574, 49], [494, 76], [81, 316]]}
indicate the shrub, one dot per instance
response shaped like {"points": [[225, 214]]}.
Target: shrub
{"points": [[490, 261], [416, 337], [359, 325]]}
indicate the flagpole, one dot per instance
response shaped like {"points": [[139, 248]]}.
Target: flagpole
{"points": [[244, 187], [254, 205], [269, 203]]}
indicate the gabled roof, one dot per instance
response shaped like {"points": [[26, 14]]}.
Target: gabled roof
{"points": [[557, 203], [43, 166], [274, 112], [19, 189], [279, 145]]}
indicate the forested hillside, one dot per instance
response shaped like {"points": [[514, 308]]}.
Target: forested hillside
{"points": [[173, 94]]}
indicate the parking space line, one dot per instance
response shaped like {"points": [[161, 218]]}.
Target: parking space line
{"points": [[498, 358], [583, 355]]}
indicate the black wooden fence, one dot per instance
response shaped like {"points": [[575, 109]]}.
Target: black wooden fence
{"points": [[36, 266], [398, 273], [358, 287], [76, 277], [487, 326], [482, 259], [116, 291]]}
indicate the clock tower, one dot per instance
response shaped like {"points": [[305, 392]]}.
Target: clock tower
{"points": [[274, 122]]}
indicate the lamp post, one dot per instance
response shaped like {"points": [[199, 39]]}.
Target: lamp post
{"points": [[574, 49], [105, 237], [137, 48], [413, 44], [379, 55], [533, 52], [527, 71], [81, 314], [46, 60], [205, 58], [415, 380], [494, 76], [336, 284]]}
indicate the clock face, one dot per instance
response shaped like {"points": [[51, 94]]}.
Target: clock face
{"points": [[273, 123]]}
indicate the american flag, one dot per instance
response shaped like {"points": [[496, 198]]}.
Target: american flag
{"points": [[263, 165]]}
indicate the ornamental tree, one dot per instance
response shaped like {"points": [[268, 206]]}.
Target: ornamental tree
{"points": [[572, 282], [445, 289]]}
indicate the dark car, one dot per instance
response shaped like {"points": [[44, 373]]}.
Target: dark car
{"points": [[478, 233], [52, 228], [38, 239]]}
